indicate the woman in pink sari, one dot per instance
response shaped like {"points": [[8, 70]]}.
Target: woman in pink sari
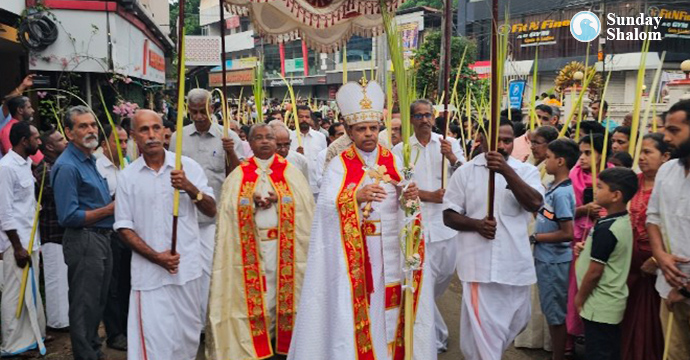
{"points": [[586, 212], [641, 335]]}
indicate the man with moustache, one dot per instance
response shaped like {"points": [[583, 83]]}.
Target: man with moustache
{"points": [[354, 266], [54, 267], [263, 235], [495, 261], [21, 110], [85, 209], [167, 291], [17, 213], [312, 143], [203, 142], [667, 214]]}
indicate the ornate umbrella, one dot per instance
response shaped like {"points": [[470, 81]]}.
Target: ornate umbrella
{"points": [[324, 25]]}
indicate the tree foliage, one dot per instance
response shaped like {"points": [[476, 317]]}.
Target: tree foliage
{"points": [[191, 18], [436, 4], [428, 62]]}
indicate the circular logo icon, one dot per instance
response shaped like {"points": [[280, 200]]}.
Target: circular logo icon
{"points": [[585, 26]]}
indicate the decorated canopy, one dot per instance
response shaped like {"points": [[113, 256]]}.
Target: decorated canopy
{"points": [[324, 25]]}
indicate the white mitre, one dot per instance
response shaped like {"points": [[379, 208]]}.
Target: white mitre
{"points": [[360, 103]]}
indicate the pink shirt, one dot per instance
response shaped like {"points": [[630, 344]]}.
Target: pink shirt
{"points": [[521, 148], [6, 145]]}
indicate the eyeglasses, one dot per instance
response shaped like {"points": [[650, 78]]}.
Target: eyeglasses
{"points": [[422, 116]]}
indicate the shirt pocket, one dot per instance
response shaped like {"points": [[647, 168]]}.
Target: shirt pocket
{"points": [[25, 188], [509, 205]]}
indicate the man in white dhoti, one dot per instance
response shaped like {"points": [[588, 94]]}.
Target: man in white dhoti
{"points": [[164, 320], [203, 142], [17, 215], [495, 260], [431, 150], [263, 235], [350, 307], [54, 267]]}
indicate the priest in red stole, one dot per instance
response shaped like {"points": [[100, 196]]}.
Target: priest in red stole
{"points": [[264, 221], [351, 304]]}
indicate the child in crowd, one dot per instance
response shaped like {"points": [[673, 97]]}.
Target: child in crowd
{"points": [[553, 233], [621, 159], [602, 267]]}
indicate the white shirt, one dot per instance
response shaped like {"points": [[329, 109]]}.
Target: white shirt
{"points": [[508, 258], [669, 208], [17, 200], [144, 204], [299, 161], [109, 171], [207, 150], [427, 176], [313, 142], [320, 166]]}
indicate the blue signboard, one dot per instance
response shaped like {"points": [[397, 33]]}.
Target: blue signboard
{"points": [[516, 89]]}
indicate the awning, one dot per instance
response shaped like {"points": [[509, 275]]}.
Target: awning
{"points": [[518, 68], [629, 61]]}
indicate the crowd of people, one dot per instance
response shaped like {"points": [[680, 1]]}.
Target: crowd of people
{"points": [[282, 238]]}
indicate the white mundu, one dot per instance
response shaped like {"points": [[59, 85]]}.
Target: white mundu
{"points": [[351, 301], [496, 274], [164, 321], [17, 212]]}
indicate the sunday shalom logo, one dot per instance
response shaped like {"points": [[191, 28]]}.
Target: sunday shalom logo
{"points": [[585, 26]]}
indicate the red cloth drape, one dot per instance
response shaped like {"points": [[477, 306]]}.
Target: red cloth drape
{"points": [[305, 57], [281, 50]]}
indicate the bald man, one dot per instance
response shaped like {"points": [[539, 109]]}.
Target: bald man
{"points": [[164, 320], [283, 143]]}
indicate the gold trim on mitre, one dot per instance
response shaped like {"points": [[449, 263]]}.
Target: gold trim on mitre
{"points": [[363, 116]]}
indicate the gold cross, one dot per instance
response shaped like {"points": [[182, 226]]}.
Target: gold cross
{"points": [[377, 173]]}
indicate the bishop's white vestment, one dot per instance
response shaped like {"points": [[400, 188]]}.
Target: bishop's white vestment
{"points": [[352, 295]]}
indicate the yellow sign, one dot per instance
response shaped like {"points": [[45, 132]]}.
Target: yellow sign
{"points": [[540, 25], [8, 33], [248, 62]]}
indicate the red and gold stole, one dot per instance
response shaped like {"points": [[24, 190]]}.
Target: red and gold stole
{"points": [[354, 242], [254, 286]]}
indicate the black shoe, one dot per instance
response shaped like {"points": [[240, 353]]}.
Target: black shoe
{"points": [[119, 342]]}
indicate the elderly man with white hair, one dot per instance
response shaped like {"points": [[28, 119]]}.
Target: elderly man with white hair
{"points": [[203, 142]]}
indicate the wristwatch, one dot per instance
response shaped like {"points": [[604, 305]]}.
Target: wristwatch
{"points": [[533, 239], [683, 291], [199, 197]]}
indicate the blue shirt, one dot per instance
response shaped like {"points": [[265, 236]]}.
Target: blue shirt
{"points": [[78, 187], [559, 205]]}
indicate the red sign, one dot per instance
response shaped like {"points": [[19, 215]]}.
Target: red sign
{"points": [[237, 77], [156, 61], [482, 68]]}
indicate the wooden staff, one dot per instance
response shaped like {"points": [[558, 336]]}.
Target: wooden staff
{"points": [[446, 82], [495, 93], [180, 120], [226, 121]]}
